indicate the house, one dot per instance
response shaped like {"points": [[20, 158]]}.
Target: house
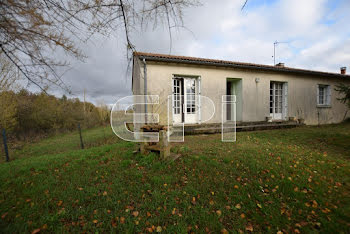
{"points": [[263, 92]]}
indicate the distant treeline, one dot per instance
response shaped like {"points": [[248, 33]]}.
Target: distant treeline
{"points": [[26, 114]]}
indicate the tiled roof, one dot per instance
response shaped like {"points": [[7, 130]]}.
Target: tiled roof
{"points": [[223, 63]]}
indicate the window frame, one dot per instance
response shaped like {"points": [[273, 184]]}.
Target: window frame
{"points": [[325, 89]]}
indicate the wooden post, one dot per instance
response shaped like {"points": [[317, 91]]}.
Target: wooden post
{"points": [[81, 138], [84, 103], [5, 145], [143, 146], [164, 148]]}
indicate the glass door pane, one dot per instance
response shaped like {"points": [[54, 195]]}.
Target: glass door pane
{"points": [[276, 99], [177, 100], [190, 100]]}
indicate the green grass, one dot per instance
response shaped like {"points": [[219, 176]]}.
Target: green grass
{"points": [[61, 143], [280, 180]]}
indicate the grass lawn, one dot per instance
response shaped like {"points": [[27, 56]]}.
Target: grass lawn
{"points": [[295, 180]]}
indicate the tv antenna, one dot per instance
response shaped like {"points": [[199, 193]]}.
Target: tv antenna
{"points": [[274, 49]]}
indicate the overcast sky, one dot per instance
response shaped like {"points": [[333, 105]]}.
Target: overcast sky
{"points": [[316, 32]]}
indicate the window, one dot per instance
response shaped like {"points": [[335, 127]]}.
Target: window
{"points": [[177, 96], [276, 97], [324, 95], [191, 95]]}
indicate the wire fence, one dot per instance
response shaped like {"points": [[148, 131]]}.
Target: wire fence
{"points": [[81, 139]]}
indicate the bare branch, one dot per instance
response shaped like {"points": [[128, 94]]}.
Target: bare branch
{"points": [[31, 32], [245, 3], [20, 69]]}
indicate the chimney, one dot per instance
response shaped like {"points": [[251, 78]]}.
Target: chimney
{"points": [[343, 70], [280, 65]]}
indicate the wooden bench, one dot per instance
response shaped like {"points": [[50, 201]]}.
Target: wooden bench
{"points": [[163, 146]]}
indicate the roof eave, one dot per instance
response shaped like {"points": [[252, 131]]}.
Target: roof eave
{"points": [[241, 66]]}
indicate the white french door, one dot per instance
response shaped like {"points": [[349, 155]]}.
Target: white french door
{"points": [[233, 92], [177, 100], [278, 100], [190, 100], [184, 100]]}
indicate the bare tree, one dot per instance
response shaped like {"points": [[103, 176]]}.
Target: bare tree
{"points": [[33, 32], [244, 4], [9, 74]]}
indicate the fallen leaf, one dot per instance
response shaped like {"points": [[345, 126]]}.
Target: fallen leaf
{"points": [[95, 221], [238, 206], [224, 231], [36, 231], [193, 201], [326, 210], [4, 215], [130, 207], [242, 216], [114, 224], [317, 225], [59, 203], [218, 212], [104, 193], [249, 227], [283, 210], [122, 220], [259, 205], [159, 229], [135, 213]]}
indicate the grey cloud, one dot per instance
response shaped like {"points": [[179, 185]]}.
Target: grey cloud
{"points": [[222, 31]]}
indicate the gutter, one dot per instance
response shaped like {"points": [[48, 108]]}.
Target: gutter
{"points": [[145, 86]]}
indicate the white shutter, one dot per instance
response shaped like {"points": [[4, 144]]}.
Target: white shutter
{"points": [[329, 95], [199, 101], [285, 100], [318, 94], [172, 99]]}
